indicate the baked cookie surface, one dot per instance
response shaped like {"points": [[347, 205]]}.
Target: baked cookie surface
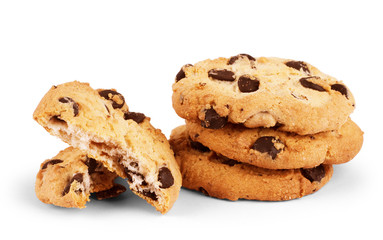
{"points": [[224, 178], [274, 149], [68, 179], [262, 92], [99, 122]]}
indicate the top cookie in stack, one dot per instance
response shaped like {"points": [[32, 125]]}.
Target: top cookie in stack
{"points": [[289, 95]]}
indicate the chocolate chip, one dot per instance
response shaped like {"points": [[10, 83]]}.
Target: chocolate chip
{"points": [[181, 74], [233, 59], [307, 84], [298, 65], [77, 177], [116, 190], [128, 174], [165, 177], [198, 146], [135, 116], [247, 84], [111, 95], [202, 190], [51, 162], [213, 120], [70, 100], [314, 174], [222, 74], [133, 164], [57, 119], [92, 165], [266, 145], [277, 125], [340, 88], [150, 194]]}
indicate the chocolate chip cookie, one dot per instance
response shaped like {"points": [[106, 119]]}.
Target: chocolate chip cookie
{"points": [[274, 149], [100, 123], [217, 176], [261, 92], [68, 179]]}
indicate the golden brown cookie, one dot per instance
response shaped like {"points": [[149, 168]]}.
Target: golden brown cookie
{"points": [[221, 177], [262, 92], [68, 179], [99, 123], [274, 149]]}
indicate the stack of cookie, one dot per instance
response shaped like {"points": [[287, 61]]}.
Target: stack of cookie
{"points": [[107, 140], [266, 129]]}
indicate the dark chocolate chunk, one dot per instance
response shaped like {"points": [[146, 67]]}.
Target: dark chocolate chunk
{"points": [[70, 100], [307, 84], [266, 145], [233, 59], [144, 183], [150, 194], [51, 162], [222, 74], [135, 116], [110, 95], [198, 146], [277, 125], [298, 65], [92, 165], [181, 74], [134, 164], [340, 88], [314, 174], [213, 120], [165, 177], [57, 119], [77, 177], [247, 84], [129, 175], [116, 190]]}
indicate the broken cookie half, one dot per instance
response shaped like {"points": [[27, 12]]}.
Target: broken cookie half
{"points": [[99, 122], [68, 179]]}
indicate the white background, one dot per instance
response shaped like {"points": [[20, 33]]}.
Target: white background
{"points": [[138, 47]]}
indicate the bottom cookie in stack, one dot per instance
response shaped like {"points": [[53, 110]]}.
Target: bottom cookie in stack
{"points": [[68, 179], [217, 176]]}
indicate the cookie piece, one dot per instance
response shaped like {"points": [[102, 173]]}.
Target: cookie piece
{"points": [[262, 92], [224, 178], [68, 179], [99, 123], [273, 149]]}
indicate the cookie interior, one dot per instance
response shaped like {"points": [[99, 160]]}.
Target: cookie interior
{"points": [[116, 158]]}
